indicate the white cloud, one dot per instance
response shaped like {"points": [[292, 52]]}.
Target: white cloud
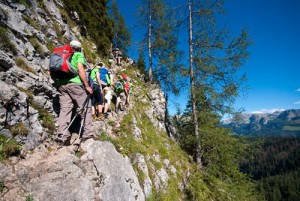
{"points": [[298, 89], [297, 103], [267, 110]]}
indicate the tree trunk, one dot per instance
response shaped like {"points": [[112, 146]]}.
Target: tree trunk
{"points": [[168, 124], [195, 119], [149, 43]]}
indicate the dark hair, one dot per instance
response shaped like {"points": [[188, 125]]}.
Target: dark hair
{"points": [[77, 49], [99, 64]]}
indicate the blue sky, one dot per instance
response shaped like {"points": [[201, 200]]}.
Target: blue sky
{"points": [[273, 69]]}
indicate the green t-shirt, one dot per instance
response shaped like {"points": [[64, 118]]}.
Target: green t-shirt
{"points": [[77, 57]]}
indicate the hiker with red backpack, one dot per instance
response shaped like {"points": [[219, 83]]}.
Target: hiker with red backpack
{"points": [[122, 85], [74, 89], [127, 86]]}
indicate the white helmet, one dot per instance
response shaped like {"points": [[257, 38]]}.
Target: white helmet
{"points": [[75, 43]]}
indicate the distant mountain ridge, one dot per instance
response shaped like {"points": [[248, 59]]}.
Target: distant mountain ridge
{"points": [[279, 123]]}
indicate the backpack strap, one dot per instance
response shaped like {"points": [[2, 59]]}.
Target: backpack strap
{"points": [[107, 79]]}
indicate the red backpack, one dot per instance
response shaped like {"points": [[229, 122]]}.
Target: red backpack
{"points": [[124, 77], [60, 63]]}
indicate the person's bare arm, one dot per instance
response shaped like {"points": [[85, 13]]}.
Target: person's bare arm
{"points": [[112, 80], [98, 78], [82, 76]]}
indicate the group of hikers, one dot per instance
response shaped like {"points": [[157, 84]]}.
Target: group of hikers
{"points": [[103, 81], [98, 84]]}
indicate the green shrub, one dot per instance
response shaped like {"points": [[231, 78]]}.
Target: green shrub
{"points": [[23, 65], [32, 22], [93, 16], [88, 52], [2, 186], [58, 31], [45, 117], [29, 198], [5, 43], [111, 122], [50, 45], [19, 129], [37, 46], [27, 92], [41, 4], [24, 3], [8, 147], [26, 52]]}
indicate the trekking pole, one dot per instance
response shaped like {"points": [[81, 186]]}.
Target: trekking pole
{"points": [[84, 117], [79, 110]]}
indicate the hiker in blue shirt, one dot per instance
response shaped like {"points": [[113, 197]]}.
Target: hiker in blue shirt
{"points": [[106, 83]]}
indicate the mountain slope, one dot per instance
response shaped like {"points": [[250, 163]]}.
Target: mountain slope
{"points": [[284, 123], [134, 159], [145, 162]]}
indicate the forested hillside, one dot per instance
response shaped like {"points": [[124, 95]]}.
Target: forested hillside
{"points": [[274, 164]]}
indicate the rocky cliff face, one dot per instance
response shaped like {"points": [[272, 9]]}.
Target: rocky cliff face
{"points": [[28, 112], [100, 174]]}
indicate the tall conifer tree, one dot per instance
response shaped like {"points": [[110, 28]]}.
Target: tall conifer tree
{"points": [[161, 39], [121, 33], [215, 59]]}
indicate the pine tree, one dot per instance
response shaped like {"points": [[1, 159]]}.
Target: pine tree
{"points": [[121, 34], [161, 39], [163, 53], [141, 66], [214, 63], [93, 19]]}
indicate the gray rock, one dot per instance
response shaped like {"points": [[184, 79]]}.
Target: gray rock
{"points": [[137, 133], [2, 16], [118, 179], [55, 177], [5, 61], [163, 176], [156, 113], [142, 165], [6, 133], [6, 172], [156, 156]]}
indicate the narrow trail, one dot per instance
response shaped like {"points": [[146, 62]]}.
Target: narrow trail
{"points": [[109, 126]]}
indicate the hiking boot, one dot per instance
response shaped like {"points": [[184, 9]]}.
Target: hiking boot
{"points": [[94, 117], [105, 115], [61, 142], [100, 117]]}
